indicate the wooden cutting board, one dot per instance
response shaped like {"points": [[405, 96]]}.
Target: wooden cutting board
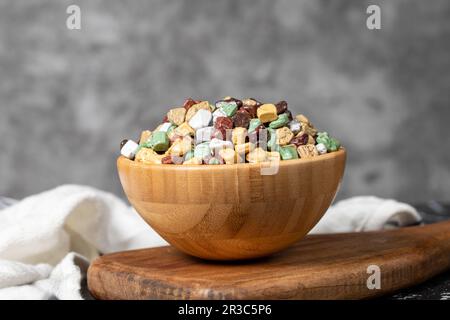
{"points": [[333, 266]]}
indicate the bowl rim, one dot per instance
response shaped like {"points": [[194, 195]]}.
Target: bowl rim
{"points": [[283, 163]]}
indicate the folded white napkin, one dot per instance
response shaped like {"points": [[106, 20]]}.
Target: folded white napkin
{"points": [[47, 240]]}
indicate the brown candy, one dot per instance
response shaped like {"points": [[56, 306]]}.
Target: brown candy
{"points": [[250, 105], [241, 119], [300, 140], [223, 124], [282, 107], [289, 114]]}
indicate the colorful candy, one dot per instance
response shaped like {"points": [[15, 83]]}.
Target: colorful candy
{"points": [[231, 131]]}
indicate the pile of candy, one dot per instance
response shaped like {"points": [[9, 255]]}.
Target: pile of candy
{"points": [[227, 132]]}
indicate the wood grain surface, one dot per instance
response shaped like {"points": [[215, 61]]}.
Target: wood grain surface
{"points": [[318, 267], [226, 212]]}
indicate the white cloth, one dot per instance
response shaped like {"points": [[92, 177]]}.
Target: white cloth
{"points": [[47, 240], [40, 235], [366, 213]]}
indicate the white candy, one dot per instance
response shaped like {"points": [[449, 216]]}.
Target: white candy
{"points": [[218, 113], [129, 149], [295, 126], [321, 148], [203, 134], [217, 145], [201, 119], [165, 126]]}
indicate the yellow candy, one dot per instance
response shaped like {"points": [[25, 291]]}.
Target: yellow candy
{"points": [[244, 148], [307, 126], [176, 115], [238, 135], [184, 130], [228, 155], [267, 112], [256, 156], [180, 147], [193, 160], [193, 110], [148, 156], [145, 136], [273, 156], [307, 151], [284, 135]]}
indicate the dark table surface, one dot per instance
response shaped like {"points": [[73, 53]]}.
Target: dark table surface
{"points": [[437, 288]]}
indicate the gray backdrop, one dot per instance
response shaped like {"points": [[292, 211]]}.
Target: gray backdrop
{"points": [[67, 98]]}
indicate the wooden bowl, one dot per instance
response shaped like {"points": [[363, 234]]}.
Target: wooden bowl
{"points": [[228, 212]]}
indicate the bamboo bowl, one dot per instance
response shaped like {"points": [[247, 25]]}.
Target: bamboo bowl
{"points": [[230, 212]]}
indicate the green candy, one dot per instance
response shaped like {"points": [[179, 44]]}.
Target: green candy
{"points": [[189, 155], [281, 121], [254, 123], [159, 141], [288, 153], [214, 161], [171, 128], [202, 150], [272, 143], [228, 107], [332, 144]]}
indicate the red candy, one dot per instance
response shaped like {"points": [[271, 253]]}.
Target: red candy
{"points": [[189, 103], [223, 124]]}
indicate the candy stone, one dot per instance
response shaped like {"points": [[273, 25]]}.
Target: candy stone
{"points": [[165, 127], [295, 126], [331, 144], [193, 160], [254, 123], [214, 161], [148, 156], [257, 155], [281, 121], [244, 148], [193, 110], [202, 150], [189, 155], [288, 152], [283, 136], [273, 155], [321, 148], [201, 119], [238, 135], [159, 141], [184, 130], [272, 143], [129, 149], [218, 113], [307, 151], [180, 147], [228, 107], [204, 134], [267, 112], [217, 144], [228, 155], [145, 136], [176, 115]]}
